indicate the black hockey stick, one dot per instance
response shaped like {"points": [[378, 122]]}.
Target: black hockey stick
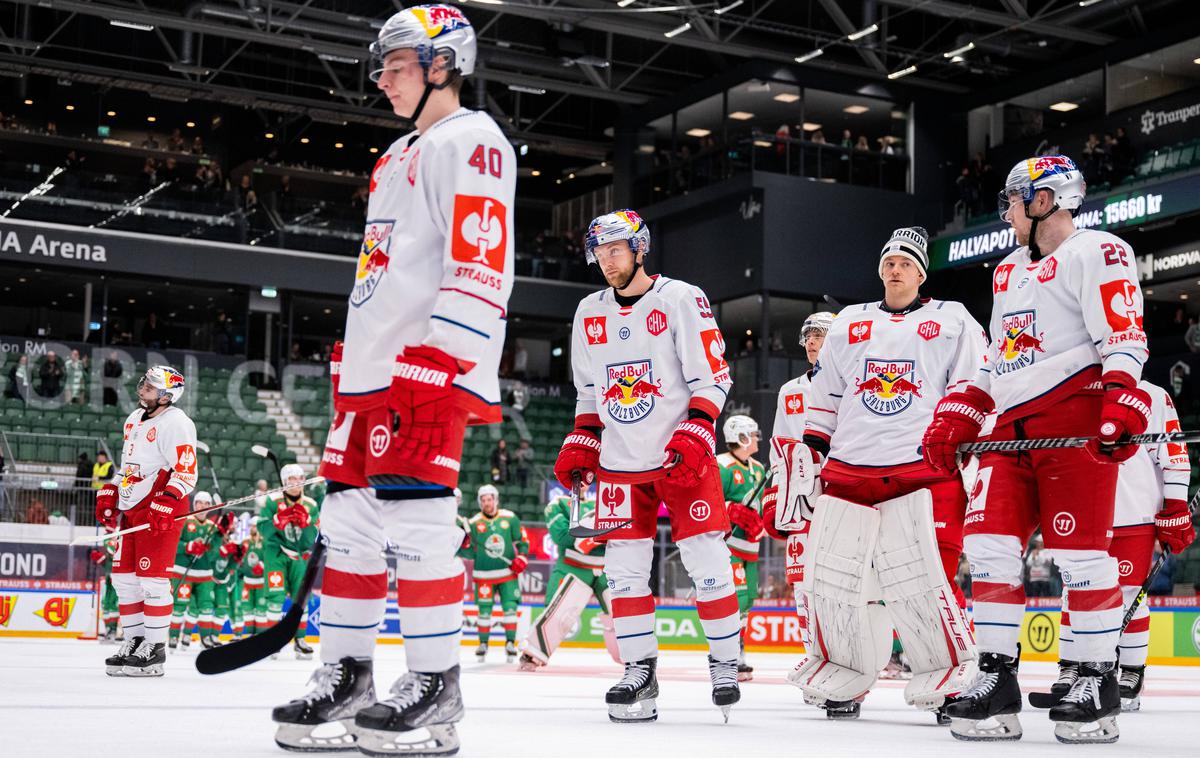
{"points": [[266, 452], [243, 652], [578, 530], [1046, 443]]}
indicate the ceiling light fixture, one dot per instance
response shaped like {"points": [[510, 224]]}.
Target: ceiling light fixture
{"points": [[854, 36], [741, 116], [337, 58], [697, 132], [338, 145], [678, 30], [855, 109], [727, 8], [70, 107], [1064, 107], [151, 119], [190, 124], [809, 126], [1086, 3], [30, 102], [959, 50], [526, 90], [902, 72], [372, 150], [535, 172], [304, 140], [810, 55], [131, 25], [786, 97], [625, 3]]}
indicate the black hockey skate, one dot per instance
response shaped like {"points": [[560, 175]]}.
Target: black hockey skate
{"points": [[510, 651], [631, 700], [418, 720], [481, 652], [114, 665], [725, 690], [1088, 713], [1068, 672], [842, 710], [146, 660], [207, 641], [303, 651], [341, 690], [1131, 681], [987, 710]]}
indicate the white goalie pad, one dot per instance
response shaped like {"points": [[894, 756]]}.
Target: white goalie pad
{"points": [[851, 635], [937, 639], [556, 623]]}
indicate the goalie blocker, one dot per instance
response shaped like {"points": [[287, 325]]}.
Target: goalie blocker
{"points": [[858, 556]]}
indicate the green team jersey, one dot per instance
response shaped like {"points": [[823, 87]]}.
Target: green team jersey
{"points": [[737, 481], [225, 568], [558, 523], [252, 558], [292, 541], [195, 529], [494, 542]]}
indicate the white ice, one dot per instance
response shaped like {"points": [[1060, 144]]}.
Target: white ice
{"points": [[55, 700]]}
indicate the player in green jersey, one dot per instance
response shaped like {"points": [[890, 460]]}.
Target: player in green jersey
{"points": [[740, 477], [288, 525], [497, 545]]}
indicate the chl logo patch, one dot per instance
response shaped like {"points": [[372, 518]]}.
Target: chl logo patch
{"points": [[888, 386], [929, 330], [378, 440], [656, 322], [1064, 524]]}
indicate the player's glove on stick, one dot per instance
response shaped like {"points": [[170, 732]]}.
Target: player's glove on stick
{"points": [[745, 517], [519, 564], [421, 398], [1173, 526], [163, 510], [690, 453], [224, 523], [1125, 411], [98, 556], [586, 545], [197, 548], [580, 452], [770, 505], [106, 506], [957, 420]]}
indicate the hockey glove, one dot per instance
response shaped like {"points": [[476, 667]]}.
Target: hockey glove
{"points": [[197, 548], [744, 516], [163, 510], [224, 523], [98, 556], [519, 564], [106, 506], [957, 420], [1173, 526], [586, 545], [1125, 411], [580, 452], [230, 549], [421, 398], [257, 569], [335, 366], [770, 502], [690, 455]]}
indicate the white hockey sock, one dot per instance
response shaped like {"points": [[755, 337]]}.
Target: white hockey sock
{"points": [[627, 563], [706, 558], [354, 590], [1090, 579], [157, 604], [998, 595], [130, 604]]}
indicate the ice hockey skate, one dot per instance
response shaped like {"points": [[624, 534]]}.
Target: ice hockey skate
{"points": [[147, 659], [987, 710], [418, 720], [114, 665], [632, 699], [1088, 713], [725, 690], [510, 651], [303, 650], [1068, 673], [323, 720], [1131, 680], [481, 652]]}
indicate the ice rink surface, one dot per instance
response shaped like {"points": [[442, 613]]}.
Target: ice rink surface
{"points": [[55, 700]]}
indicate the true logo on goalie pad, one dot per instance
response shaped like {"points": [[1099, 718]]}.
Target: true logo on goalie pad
{"points": [[888, 386]]}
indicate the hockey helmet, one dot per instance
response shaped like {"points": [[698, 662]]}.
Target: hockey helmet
{"points": [[290, 472], [488, 489], [430, 30], [739, 430], [1056, 173], [201, 498], [618, 225], [819, 321], [166, 380]]}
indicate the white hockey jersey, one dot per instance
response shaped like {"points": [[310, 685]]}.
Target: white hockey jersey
{"points": [[790, 411], [638, 369], [880, 375], [1153, 474], [436, 263], [156, 453], [1060, 323]]}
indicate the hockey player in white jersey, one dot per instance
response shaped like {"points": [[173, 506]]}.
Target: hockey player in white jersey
{"points": [[424, 333], [881, 371], [651, 378], [1152, 489], [1067, 353], [151, 486]]}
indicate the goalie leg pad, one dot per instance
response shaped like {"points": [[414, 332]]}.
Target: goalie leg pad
{"points": [[560, 617], [937, 639], [851, 636]]}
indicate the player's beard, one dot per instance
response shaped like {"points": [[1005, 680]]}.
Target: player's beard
{"points": [[620, 280]]}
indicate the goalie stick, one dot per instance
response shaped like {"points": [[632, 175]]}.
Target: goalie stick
{"points": [[578, 530]]}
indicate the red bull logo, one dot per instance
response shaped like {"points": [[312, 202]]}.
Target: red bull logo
{"points": [[439, 19], [1020, 341], [888, 386], [632, 218], [1049, 165], [373, 258], [172, 379], [631, 391]]}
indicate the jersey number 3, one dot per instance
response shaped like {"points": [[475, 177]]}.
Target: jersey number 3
{"points": [[492, 163]]}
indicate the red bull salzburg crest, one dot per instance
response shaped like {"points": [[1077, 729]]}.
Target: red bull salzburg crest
{"points": [[1022, 341], [888, 386], [631, 391], [372, 261]]}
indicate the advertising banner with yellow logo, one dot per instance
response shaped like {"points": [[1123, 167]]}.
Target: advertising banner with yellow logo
{"points": [[26, 612]]}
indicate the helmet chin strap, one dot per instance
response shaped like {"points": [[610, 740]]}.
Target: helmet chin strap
{"points": [[1034, 251], [429, 88]]}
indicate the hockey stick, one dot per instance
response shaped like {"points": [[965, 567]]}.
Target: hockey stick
{"points": [[266, 452], [212, 472], [93, 539], [1047, 443], [243, 652], [1158, 564], [578, 530]]}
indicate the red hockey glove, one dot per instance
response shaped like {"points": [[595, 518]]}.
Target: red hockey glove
{"points": [[224, 523], [580, 452], [335, 366], [163, 510], [229, 549], [586, 545], [106, 506], [1126, 411], [98, 556], [197, 548], [292, 514], [421, 399], [1173, 525], [519, 564], [745, 517], [690, 453], [257, 569], [957, 419], [770, 501]]}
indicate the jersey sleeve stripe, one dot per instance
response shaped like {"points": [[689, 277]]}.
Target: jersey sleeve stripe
{"points": [[503, 313], [483, 334]]}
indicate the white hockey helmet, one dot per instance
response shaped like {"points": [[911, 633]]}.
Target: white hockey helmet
{"points": [[201, 498], [910, 242], [430, 30], [618, 225], [1056, 173], [819, 321], [166, 380], [487, 489], [289, 472], [739, 430]]}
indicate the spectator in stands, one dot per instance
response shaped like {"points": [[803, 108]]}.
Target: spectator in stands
{"points": [[520, 367], [222, 337], [1192, 336], [358, 201], [500, 462], [150, 143], [83, 471], [284, 200], [112, 371], [76, 378], [847, 139], [51, 128], [152, 333], [209, 182], [1180, 386], [776, 344], [51, 376], [102, 470], [818, 137], [885, 145], [1038, 576], [1164, 582], [862, 145], [968, 193], [244, 188], [1123, 157], [149, 174], [524, 462], [19, 384], [175, 141], [1092, 159], [519, 396], [197, 146], [296, 355], [260, 494], [168, 171], [35, 513]]}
